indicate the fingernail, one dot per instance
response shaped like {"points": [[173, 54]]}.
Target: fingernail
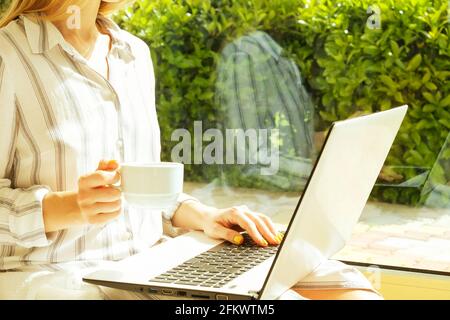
{"points": [[265, 243], [238, 239], [278, 239], [112, 163]]}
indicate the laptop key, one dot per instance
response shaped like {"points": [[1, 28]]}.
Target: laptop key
{"points": [[232, 270], [219, 265], [161, 280], [193, 261]]}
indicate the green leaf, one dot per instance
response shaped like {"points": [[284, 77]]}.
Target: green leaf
{"points": [[388, 82], [428, 96], [395, 48], [328, 116], [444, 103], [414, 63], [399, 97], [426, 77], [206, 96], [385, 105], [416, 138], [445, 122], [431, 86], [429, 108]]}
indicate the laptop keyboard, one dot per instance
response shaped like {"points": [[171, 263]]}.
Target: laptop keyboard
{"points": [[219, 265]]}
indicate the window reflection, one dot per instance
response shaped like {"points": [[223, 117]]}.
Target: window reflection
{"points": [[259, 87], [436, 189]]}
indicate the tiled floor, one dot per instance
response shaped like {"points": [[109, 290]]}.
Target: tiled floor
{"points": [[403, 236], [386, 234]]}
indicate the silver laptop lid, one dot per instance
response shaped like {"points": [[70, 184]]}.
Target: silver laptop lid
{"points": [[334, 197]]}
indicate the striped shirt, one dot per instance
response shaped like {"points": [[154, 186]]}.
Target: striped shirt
{"points": [[58, 118], [259, 87]]}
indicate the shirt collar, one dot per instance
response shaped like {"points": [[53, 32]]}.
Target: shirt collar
{"points": [[120, 45], [43, 36]]}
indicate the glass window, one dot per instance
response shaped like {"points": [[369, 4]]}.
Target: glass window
{"points": [[272, 76]]}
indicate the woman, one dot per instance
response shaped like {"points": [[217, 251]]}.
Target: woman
{"points": [[74, 90]]}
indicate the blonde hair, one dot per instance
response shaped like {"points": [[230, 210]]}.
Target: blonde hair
{"points": [[53, 9]]}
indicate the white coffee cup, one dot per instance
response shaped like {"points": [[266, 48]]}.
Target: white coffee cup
{"points": [[152, 185]]}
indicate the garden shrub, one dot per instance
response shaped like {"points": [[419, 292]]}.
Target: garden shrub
{"points": [[347, 66], [3, 4]]}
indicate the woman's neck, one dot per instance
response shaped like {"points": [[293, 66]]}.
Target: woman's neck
{"points": [[83, 36]]}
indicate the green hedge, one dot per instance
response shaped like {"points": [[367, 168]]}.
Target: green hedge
{"points": [[3, 4], [348, 67]]}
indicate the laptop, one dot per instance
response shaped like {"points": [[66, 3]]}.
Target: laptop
{"points": [[195, 266]]}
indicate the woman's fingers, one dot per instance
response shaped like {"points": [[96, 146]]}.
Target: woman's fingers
{"points": [[239, 218], [102, 165], [104, 207], [98, 178], [269, 223], [220, 232], [259, 226], [104, 217], [263, 228], [108, 165], [100, 194], [99, 200]]}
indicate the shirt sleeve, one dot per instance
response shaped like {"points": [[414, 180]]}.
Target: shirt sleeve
{"points": [[21, 218], [183, 197]]}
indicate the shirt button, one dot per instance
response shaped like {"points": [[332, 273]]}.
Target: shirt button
{"points": [[126, 236]]}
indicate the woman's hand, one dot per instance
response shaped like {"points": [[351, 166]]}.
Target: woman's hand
{"points": [[226, 223], [98, 199], [223, 224]]}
